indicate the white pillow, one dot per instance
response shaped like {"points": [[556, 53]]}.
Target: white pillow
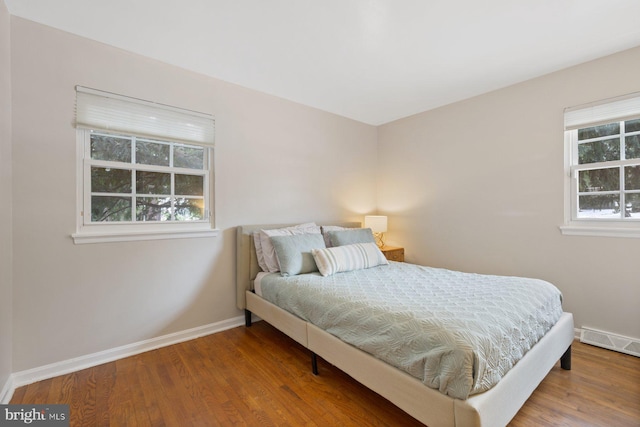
{"points": [[257, 243], [348, 258], [271, 264]]}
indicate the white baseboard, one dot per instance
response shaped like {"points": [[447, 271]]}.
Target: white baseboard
{"points": [[7, 391], [22, 378]]}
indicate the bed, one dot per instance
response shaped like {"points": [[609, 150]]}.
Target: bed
{"points": [[493, 407]]}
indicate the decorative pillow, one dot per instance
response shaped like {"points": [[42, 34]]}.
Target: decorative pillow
{"points": [[294, 253], [348, 258], [351, 236], [270, 260], [325, 232]]}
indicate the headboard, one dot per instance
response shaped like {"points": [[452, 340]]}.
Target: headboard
{"points": [[246, 261]]}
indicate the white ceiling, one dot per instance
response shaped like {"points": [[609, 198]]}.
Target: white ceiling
{"points": [[371, 60]]}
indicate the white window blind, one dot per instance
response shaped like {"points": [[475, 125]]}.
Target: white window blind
{"points": [[602, 112], [99, 110]]}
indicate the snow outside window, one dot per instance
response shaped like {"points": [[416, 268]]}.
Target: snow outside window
{"points": [[603, 168]]}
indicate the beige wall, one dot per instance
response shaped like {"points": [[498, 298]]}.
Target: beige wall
{"points": [[478, 186], [276, 161], [5, 196]]}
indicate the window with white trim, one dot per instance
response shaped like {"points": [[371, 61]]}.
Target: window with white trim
{"points": [[603, 168], [144, 170]]}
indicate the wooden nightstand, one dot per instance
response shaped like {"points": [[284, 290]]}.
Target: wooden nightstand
{"points": [[393, 253]]}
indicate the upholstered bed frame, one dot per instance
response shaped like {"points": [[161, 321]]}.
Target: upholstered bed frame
{"points": [[492, 408]]}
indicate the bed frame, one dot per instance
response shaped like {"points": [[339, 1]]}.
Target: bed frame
{"points": [[495, 407]]}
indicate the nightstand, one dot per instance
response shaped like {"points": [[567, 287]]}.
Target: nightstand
{"points": [[393, 253]]}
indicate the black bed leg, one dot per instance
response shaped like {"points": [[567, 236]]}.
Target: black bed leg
{"points": [[247, 318], [565, 360], [314, 363]]}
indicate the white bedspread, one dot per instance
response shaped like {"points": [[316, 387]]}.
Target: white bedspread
{"points": [[457, 332]]}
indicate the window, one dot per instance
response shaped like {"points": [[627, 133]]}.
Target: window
{"points": [[140, 180], [603, 168], [144, 170]]}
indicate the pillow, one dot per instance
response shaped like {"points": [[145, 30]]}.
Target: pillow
{"points": [[257, 243], [348, 258], [294, 253], [351, 236], [325, 232], [270, 261]]}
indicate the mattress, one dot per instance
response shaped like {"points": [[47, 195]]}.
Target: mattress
{"points": [[459, 333]]}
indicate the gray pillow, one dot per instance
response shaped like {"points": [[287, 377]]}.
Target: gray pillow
{"points": [[351, 236], [294, 253]]}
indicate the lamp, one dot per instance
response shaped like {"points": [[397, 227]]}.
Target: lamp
{"points": [[378, 225]]}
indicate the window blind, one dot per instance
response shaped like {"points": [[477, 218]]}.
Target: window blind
{"points": [[602, 112], [110, 112]]}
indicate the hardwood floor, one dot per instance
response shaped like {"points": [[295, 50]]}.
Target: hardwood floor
{"points": [[259, 377]]}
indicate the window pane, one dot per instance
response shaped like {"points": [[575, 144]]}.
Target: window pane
{"points": [[110, 180], [153, 209], [632, 125], [188, 157], [153, 182], [632, 147], [599, 180], [152, 153], [599, 151], [632, 206], [599, 206], [632, 178], [189, 185], [189, 209], [106, 209], [597, 131], [112, 148]]}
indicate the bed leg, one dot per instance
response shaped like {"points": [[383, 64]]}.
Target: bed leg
{"points": [[314, 363], [247, 318], [565, 360]]}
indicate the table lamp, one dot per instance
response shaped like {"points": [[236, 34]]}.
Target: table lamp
{"points": [[378, 225]]}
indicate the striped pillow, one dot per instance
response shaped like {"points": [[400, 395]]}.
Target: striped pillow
{"points": [[348, 258]]}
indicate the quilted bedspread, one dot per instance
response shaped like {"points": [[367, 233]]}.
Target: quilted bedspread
{"points": [[457, 332]]}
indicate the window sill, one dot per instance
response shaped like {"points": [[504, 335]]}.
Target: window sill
{"points": [[600, 231], [85, 237]]}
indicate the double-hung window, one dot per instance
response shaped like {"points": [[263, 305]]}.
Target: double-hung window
{"points": [[603, 168], [145, 170]]}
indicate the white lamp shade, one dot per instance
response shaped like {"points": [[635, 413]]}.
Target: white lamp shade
{"points": [[377, 223]]}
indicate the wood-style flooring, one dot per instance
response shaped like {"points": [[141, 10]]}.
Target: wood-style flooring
{"points": [[259, 377]]}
